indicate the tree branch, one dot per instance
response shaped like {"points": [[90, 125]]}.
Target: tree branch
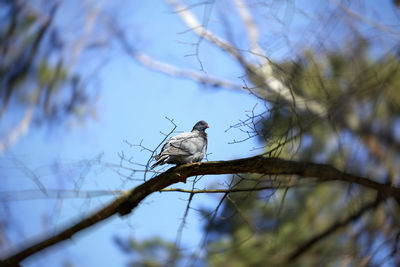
{"points": [[251, 30], [258, 164], [232, 190], [20, 129], [333, 228], [171, 70], [269, 87]]}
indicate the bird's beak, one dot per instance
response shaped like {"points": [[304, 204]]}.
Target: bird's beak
{"points": [[207, 126]]}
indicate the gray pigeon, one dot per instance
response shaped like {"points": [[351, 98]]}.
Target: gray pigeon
{"points": [[185, 147]]}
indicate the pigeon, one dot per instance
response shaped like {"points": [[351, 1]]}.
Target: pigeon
{"points": [[185, 147]]}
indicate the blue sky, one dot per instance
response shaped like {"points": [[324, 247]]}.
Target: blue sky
{"points": [[132, 106], [133, 103]]}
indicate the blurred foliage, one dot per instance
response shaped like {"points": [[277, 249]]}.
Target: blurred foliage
{"points": [[33, 73], [362, 97], [265, 233], [151, 252], [358, 135]]}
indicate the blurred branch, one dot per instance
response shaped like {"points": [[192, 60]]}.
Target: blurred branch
{"points": [[382, 137], [21, 195], [179, 233], [229, 190], [26, 62], [242, 214], [20, 129], [251, 28], [269, 87], [195, 26], [378, 26], [56, 193], [29, 173], [169, 69], [88, 31], [37, 69], [335, 227], [124, 204]]}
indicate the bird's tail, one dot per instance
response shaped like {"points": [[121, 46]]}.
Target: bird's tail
{"points": [[160, 161], [155, 164]]}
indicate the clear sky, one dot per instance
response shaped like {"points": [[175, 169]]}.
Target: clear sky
{"points": [[132, 105]]}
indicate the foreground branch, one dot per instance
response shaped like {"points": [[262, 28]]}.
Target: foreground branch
{"points": [[259, 164]]}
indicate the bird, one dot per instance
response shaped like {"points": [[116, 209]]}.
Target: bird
{"points": [[184, 148]]}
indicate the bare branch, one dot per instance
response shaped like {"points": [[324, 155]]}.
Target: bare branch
{"points": [[251, 28], [257, 164], [19, 130], [191, 21], [178, 238], [56, 193], [242, 214], [262, 76], [31, 174], [22, 195], [230, 190], [168, 69], [88, 26], [367, 21], [171, 70]]}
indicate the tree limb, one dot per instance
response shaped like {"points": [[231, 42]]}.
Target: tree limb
{"points": [[124, 204], [20, 129]]}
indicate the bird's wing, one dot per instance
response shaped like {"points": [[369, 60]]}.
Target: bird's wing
{"points": [[184, 144]]}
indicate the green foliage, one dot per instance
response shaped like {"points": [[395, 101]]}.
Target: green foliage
{"points": [[49, 74], [265, 229], [152, 252], [271, 237], [33, 72]]}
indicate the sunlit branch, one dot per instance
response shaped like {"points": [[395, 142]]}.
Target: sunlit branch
{"points": [[19, 130], [192, 22], [262, 76], [251, 29], [171, 70]]}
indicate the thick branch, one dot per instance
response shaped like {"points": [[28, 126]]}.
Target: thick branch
{"points": [[258, 164]]}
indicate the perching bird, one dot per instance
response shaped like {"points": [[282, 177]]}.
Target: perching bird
{"points": [[185, 147]]}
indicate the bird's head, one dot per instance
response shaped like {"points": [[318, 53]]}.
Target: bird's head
{"points": [[201, 126]]}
